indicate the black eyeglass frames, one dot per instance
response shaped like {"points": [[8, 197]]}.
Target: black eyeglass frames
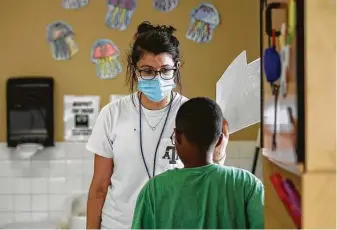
{"points": [[149, 74]]}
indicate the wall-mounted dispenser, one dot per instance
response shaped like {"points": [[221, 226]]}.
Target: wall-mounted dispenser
{"points": [[30, 111]]}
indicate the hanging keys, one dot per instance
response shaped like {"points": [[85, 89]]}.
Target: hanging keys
{"points": [[272, 68], [275, 65]]}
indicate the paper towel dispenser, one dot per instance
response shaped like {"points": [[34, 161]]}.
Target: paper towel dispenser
{"points": [[30, 111]]}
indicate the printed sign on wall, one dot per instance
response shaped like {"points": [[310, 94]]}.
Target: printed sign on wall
{"points": [[80, 114]]}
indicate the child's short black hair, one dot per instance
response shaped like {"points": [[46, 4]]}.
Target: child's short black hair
{"points": [[200, 119]]}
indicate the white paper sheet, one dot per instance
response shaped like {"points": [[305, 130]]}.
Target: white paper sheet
{"points": [[80, 114], [238, 93]]}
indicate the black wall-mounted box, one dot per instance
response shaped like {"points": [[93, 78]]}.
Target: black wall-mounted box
{"points": [[30, 111]]}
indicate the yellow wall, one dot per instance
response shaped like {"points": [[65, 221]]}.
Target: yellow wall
{"points": [[24, 50]]}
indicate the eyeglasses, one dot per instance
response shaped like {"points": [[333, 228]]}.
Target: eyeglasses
{"points": [[173, 136], [149, 74]]}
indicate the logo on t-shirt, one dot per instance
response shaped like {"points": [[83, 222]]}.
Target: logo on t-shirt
{"points": [[167, 155], [171, 155]]}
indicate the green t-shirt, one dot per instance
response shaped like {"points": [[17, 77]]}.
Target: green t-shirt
{"points": [[208, 197]]}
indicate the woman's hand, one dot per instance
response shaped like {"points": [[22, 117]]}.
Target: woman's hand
{"points": [[220, 151]]}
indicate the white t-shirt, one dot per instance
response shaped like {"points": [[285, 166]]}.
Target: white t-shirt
{"points": [[116, 135]]}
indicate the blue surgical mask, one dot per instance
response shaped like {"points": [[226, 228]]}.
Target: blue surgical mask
{"points": [[156, 89]]}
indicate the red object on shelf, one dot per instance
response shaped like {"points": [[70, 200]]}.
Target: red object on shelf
{"points": [[292, 209]]}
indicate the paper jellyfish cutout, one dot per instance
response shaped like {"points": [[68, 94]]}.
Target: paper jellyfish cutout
{"points": [[61, 39], [119, 13], [105, 55], [204, 19], [165, 5], [74, 4], [238, 93]]}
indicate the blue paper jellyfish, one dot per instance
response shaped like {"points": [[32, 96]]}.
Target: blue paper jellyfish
{"points": [[119, 13], [204, 19]]}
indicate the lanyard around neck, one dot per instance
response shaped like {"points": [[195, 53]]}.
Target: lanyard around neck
{"points": [[161, 134]]}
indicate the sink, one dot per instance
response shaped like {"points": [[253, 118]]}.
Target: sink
{"points": [[77, 222], [32, 225], [72, 217]]}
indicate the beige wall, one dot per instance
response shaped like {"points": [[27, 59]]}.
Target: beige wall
{"points": [[24, 50]]}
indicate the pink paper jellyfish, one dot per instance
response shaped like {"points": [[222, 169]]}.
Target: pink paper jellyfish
{"points": [[105, 55]]}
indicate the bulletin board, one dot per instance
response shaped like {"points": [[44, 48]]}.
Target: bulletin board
{"points": [[25, 51]]}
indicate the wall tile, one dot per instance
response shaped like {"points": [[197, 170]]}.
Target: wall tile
{"points": [[40, 168], [54, 215], [22, 216], [56, 202], [86, 183], [5, 152], [37, 216], [57, 168], [7, 203], [37, 188], [88, 167], [40, 185], [6, 218], [57, 185], [5, 168], [74, 150], [57, 153], [74, 184], [74, 167], [20, 168], [22, 185], [88, 155], [6, 185], [39, 203], [22, 203]]}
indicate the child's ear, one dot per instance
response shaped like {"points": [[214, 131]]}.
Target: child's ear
{"points": [[178, 65], [178, 137], [218, 143], [225, 129]]}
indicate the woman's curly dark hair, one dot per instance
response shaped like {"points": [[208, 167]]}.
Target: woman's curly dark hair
{"points": [[155, 40]]}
